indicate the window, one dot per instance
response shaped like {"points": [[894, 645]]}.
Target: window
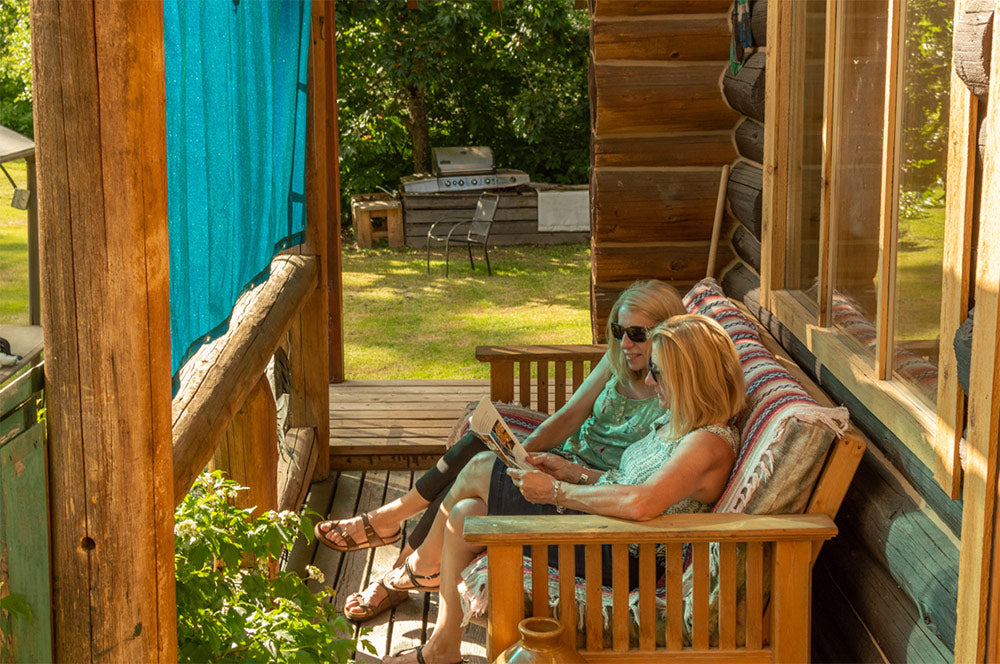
{"points": [[866, 256]]}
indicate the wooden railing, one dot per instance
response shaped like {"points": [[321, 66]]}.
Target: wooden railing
{"points": [[571, 364]]}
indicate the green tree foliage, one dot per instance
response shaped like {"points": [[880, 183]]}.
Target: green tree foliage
{"points": [[927, 65], [15, 66], [461, 73]]}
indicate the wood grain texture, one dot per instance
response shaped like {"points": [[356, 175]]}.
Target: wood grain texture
{"points": [[745, 196], [971, 50], [217, 380], [248, 451], [668, 97], [296, 460], [744, 90], [686, 38], [680, 149], [335, 284], [602, 8], [749, 137], [309, 405], [668, 262], [100, 128], [979, 493], [654, 205]]}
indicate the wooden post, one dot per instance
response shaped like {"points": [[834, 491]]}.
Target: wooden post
{"points": [[977, 585], [334, 263], [34, 286], [309, 356], [248, 451], [102, 202]]}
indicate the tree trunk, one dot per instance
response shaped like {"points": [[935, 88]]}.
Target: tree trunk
{"points": [[417, 126]]}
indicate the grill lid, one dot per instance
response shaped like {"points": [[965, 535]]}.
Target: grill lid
{"points": [[461, 160]]}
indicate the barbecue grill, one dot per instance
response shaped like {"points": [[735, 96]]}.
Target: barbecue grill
{"points": [[462, 169]]}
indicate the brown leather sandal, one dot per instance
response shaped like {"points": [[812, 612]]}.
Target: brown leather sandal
{"points": [[372, 539], [366, 610], [412, 580]]}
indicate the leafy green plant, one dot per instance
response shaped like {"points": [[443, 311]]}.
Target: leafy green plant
{"points": [[230, 608]]}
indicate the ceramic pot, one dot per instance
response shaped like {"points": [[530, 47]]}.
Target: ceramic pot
{"points": [[541, 643]]}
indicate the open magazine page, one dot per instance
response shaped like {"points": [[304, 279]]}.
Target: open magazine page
{"points": [[489, 427]]}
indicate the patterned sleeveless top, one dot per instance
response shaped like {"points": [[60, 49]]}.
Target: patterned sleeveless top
{"points": [[645, 457], [616, 423]]}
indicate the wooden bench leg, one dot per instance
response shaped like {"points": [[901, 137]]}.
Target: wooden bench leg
{"points": [[791, 613]]}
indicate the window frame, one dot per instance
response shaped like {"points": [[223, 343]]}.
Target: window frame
{"points": [[932, 434]]}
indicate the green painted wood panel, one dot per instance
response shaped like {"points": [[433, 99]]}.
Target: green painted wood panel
{"points": [[24, 546]]}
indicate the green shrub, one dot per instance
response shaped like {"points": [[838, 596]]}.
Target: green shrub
{"points": [[232, 613]]}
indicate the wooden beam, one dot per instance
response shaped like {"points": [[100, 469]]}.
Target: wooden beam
{"points": [[248, 451], [102, 201], [775, 177], [956, 275], [309, 404], [217, 381], [335, 282], [979, 495]]}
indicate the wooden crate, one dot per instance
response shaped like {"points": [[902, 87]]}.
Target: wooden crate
{"points": [[377, 216]]}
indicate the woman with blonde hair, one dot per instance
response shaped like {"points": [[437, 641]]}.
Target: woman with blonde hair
{"points": [[682, 465], [612, 409]]}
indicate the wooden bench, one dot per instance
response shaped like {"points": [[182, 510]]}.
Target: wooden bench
{"points": [[777, 630]]}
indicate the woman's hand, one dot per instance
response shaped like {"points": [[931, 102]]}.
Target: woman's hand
{"points": [[555, 465], [535, 486]]}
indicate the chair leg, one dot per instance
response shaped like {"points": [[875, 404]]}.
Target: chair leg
{"points": [[471, 264], [447, 250], [486, 252], [428, 253]]}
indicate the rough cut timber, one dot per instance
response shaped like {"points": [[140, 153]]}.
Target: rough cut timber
{"points": [[747, 247], [660, 133], [744, 194], [686, 38], [745, 90], [758, 22], [973, 40], [739, 281], [750, 140]]}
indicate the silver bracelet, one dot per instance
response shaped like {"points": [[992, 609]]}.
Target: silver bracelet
{"points": [[555, 497]]}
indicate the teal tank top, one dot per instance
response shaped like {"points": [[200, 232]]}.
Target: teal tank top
{"points": [[616, 423]]}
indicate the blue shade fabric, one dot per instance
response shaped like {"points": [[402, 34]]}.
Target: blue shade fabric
{"points": [[236, 137]]}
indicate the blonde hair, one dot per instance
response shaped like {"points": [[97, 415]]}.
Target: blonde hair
{"points": [[702, 369], [654, 299]]}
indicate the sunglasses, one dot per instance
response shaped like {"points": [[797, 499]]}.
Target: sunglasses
{"points": [[636, 333], [654, 372]]}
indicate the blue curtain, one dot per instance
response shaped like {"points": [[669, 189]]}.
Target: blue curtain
{"points": [[236, 136]]}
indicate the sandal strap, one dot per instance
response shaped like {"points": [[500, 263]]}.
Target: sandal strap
{"points": [[413, 576]]}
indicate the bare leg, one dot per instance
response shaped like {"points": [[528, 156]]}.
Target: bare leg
{"points": [[385, 520], [445, 644], [472, 482]]}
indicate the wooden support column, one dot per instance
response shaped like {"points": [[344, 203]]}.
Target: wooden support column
{"points": [[977, 591], [334, 264], [248, 451], [102, 207], [309, 352]]}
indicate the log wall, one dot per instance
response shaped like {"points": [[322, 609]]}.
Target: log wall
{"points": [[885, 589], [660, 133]]}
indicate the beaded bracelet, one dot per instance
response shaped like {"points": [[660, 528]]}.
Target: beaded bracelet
{"points": [[555, 497]]}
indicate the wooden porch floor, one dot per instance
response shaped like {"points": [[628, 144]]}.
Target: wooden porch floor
{"points": [[382, 433]]}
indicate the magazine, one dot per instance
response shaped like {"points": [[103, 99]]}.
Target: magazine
{"points": [[489, 427]]}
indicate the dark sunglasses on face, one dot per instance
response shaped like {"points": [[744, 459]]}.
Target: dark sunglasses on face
{"points": [[636, 333], [654, 372]]}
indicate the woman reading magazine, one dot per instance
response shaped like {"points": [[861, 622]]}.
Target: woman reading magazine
{"points": [[682, 465], [612, 409]]}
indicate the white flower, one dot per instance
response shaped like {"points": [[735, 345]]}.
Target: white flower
{"points": [[185, 528], [315, 574]]}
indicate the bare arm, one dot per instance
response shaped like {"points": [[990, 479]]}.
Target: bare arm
{"points": [[568, 419], [699, 469]]}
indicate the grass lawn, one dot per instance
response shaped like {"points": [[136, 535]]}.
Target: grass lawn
{"points": [[13, 250], [401, 323]]}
